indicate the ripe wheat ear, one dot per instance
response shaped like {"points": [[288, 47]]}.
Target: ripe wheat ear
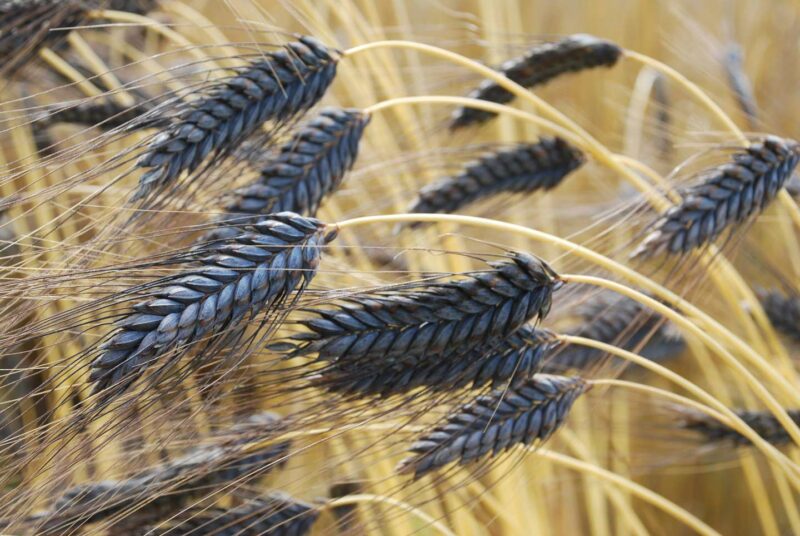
{"points": [[727, 196], [254, 270], [526, 168], [491, 424], [405, 328], [539, 65], [278, 86]]}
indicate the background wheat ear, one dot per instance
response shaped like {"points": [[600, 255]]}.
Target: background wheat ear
{"points": [[621, 321], [274, 514], [524, 169], [538, 66], [491, 424], [713, 431], [163, 491], [783, 311], [104, 113]]}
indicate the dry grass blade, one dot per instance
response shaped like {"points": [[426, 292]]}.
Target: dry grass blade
{"points": [[306, 168], [509, 361], [277, 86], [406, 327], [614, 319], [496, 422], [247, 273], [273, 514], [162, 491], [713, 431], [538, 66], [727, 195], [526, 168]]}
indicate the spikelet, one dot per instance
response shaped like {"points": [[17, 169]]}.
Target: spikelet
{"points": [[762, 422], [526, 168], [508, 362], [406, 327], [308, 167], [162, 491], [621, 321], [494, 423], [274, 514], [277, 86], [257, 268], [539, 65], [728, 195]]}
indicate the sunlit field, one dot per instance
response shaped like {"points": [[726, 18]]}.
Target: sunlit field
{"points": [[288, 267]]}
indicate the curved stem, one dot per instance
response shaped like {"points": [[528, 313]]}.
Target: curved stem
{"points": [[480, 105], [692, 88], [637, 107], [632, 487], [714, 407], [662, 393]]}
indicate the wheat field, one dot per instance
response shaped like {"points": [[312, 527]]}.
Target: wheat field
{"points": [[458, 267]]}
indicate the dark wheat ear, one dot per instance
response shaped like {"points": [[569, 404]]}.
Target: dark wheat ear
{"points": [[621, 321], [26, 26], [494, 423], [740, 84], [162, 491], [728, 195], [509, 361], [539, 65], [254, 269], [131, 6], [526, 168], [104, 113], [406, 327], [273, 514], [783, 311], [305, 169], [762, 422], [278, 86]]}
